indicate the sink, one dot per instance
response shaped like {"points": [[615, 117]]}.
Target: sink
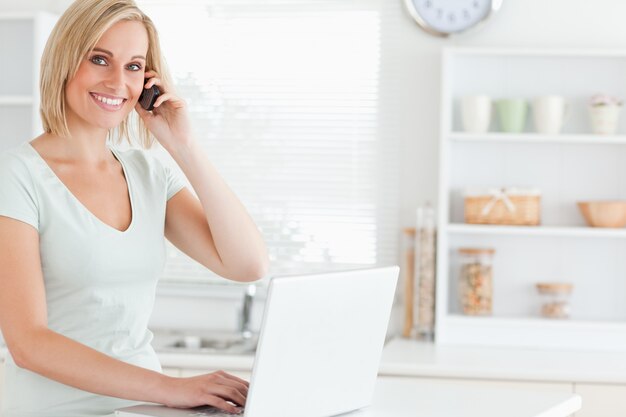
{"points": [[242, 341], [223, 344]]}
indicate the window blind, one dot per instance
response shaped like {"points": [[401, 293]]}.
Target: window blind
{"points": [[285, 98]]}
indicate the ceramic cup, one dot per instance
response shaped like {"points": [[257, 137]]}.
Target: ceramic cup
{"points": [[476, 113], [604, 119], [548, 114], [512, 114]]}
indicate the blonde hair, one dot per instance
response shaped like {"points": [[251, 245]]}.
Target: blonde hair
{"points": [[73, 37]]}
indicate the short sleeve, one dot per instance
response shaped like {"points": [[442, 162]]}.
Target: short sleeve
{"points": [[174, 181], [18, 197]]}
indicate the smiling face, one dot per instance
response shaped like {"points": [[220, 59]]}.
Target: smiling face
{"points": [[109, 79]]}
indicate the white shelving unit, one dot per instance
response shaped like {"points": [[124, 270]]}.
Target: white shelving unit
{"points": [[573, 166], [560, 231], [526, 138], [22, 40]]}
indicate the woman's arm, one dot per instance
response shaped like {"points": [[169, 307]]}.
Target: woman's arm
{"points": [[216, 231], [23, 321], [219, 227]]}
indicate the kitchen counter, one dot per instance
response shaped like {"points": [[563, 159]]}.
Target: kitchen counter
{"points": [[403, 357], [413, 358], [410, 397], [205, 361], [189, 360]]}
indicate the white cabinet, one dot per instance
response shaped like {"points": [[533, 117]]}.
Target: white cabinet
{"points": [[468, 392], [602, 400], [22, 41], [569, 167], [598, 400]]}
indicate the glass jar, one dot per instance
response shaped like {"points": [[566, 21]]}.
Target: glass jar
{"points": [[555, 299], [425, 266], [476, 280], [408, 273]]}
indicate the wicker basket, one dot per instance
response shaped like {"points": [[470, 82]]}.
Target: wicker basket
{"points": [[510, 206]]}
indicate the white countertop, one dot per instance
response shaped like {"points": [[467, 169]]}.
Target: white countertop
{"points": [[205, 361], [403, 357], [413, 358], [410, 397]]}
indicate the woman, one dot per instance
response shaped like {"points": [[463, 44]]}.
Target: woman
{"points": [[82, 227]]}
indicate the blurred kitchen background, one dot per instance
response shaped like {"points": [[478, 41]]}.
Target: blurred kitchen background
{"points": [[355, 138], [337, 122]]}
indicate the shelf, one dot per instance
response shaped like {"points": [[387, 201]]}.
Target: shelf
{"points": [[19, 90], [533, 332], [16, 100], [553, 231], [535, 138], [535, 321], [573, 165]]}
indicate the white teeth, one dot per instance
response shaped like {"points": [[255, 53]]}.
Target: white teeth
{"points": [[109, 101]]}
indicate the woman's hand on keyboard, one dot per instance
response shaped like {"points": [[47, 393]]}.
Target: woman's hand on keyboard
{"points": [[218, 389]]}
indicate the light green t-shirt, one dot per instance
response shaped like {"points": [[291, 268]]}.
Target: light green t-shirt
{"points": [[100, 282]]}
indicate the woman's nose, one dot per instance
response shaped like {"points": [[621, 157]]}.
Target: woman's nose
{"points": [[116, 79]]}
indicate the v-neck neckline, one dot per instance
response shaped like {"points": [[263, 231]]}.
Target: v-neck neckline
{"points": [[126, 179]]}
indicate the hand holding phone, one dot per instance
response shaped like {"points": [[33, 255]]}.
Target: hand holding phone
{"points": [[148, 96]]}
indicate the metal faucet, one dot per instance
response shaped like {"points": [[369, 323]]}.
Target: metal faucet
{"points": [[246, 312]]}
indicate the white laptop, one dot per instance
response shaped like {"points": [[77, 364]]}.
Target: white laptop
{"points": [[319, 348]]}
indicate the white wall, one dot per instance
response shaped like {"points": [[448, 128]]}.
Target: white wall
{"points": [[26, 5]]}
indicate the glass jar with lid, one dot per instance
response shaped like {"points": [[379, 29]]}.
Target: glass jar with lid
{"points": [[555, 299], [476, 280]]}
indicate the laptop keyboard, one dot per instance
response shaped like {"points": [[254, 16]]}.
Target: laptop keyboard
{"points": [[211, 411]]}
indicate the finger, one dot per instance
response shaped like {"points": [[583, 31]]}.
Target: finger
{"points": [[233, 377], [143, 113], [239, 385], [174, 100], [150, 76], [227, 393], [153, 81], [221, 404]]}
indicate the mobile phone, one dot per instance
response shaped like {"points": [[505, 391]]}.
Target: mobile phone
{"points": [[148, 96]]}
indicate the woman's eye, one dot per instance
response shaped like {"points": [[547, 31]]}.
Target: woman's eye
{"points": [[97, 58], [137, 66]]}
